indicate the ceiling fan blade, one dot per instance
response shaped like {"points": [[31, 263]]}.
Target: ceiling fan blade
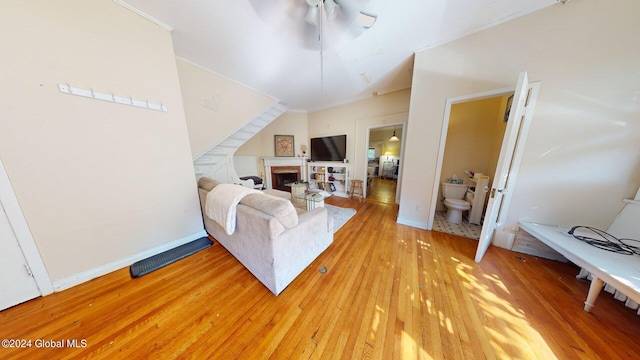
{"points": [[287, 19]]}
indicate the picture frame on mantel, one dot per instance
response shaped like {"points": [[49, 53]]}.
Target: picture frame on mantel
{"points": [[284, 145]]}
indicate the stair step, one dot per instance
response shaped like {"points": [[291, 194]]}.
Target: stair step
{"points": [[228, 143], [216, 160], [241, 135], [231, 141], [213, 153], [207, 163], [252, 128]]}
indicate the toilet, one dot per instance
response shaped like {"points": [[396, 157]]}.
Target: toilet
{"points": [[453, 199]]}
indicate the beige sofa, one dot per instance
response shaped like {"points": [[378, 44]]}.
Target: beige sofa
{"points": [[271, 239]]}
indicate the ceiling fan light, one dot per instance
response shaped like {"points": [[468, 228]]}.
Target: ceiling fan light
{"points": [[366, 20], [312, 15], [331, 8]]}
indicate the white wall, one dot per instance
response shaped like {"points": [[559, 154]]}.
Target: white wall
{"points": [[98, 182], [581, 157]]}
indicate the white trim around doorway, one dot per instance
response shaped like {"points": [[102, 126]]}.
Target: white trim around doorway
{"points": [[443, 139], [23, 234]]}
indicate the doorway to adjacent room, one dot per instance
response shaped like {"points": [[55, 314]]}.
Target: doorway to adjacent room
{"points": [[518, 118], [384, 155]]}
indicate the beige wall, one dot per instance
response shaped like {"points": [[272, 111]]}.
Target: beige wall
{"points": [[497, 137], [352, 119], [289, 123], [97, 181], [471, 137], [383, 136], [215, 107], [581, 156], [355, 118]]}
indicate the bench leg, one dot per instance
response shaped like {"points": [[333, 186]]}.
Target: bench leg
{"points": [[594, 291]]}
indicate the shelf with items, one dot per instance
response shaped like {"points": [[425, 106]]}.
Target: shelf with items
{"points": [[332, 177], [476, 197]]}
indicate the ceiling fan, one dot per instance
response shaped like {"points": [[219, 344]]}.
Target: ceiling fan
{"points": [[316, 7], [301, 21]]}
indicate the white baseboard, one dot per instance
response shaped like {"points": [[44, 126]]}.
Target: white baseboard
{"points": [[412, 223], [85, 276]]}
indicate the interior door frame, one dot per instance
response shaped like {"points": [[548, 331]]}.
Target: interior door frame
{"points": [[23, 233], [403, 126], [443, 138]]}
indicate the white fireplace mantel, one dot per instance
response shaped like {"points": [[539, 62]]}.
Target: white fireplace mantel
{"points": [[283, 161]]}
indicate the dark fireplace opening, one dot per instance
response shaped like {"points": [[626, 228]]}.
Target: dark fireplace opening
{"points": [[281, 175], [282, 178]]}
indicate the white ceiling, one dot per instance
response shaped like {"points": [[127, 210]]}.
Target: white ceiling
{"points": [[266, 44]]}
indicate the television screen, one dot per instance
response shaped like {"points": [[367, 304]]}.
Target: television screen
{"points": [[329, 148]]}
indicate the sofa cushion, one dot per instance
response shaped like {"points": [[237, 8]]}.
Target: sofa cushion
{"points": [[283, 210], [207, 184], [278, 193], [278, 207]]}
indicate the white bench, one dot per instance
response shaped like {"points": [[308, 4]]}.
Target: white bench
{"points": [[618, 270]]}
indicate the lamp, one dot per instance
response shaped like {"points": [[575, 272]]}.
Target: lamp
{"points": [[366, 20], [394, 137]]}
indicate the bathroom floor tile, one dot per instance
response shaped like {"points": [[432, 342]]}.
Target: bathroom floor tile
{"points": [[463, 229]]}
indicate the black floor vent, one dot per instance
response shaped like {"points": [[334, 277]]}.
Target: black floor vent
{"points": [[155, 262]]}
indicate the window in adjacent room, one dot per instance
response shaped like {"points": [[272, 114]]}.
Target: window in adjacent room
{"points": [[371, 154]]}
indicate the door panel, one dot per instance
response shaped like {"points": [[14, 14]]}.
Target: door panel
{"points": [[504, 177], [16, 283]]}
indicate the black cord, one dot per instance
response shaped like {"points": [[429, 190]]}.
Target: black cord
{"points": [[607, 241]]}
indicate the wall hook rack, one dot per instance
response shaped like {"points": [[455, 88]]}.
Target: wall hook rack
{"points": [[90, 93]]}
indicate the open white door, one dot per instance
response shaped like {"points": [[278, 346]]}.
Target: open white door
{"points": [[521, 112], [16, 282], [23, 275]]}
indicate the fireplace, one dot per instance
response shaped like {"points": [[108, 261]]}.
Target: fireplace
{"points": [[281, 170], [281, 175]]}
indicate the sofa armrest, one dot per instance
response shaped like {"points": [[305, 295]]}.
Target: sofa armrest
{"points": [[316, 216], [297, 247]]}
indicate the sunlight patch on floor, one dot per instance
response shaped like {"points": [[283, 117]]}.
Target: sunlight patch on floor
{"points": [[411, 350], [375, 324], [507, 326], [445, 322]]}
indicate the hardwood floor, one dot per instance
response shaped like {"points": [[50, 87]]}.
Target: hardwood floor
{"points": [[390, 292], [382, 190]]}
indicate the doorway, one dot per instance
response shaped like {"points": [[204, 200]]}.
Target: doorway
{"points": [[473, 140], [384, 154], [18, 286], [26, 276], [518, 117]]}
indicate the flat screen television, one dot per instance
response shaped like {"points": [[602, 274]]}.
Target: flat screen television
{"points": [[329, 148]]}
